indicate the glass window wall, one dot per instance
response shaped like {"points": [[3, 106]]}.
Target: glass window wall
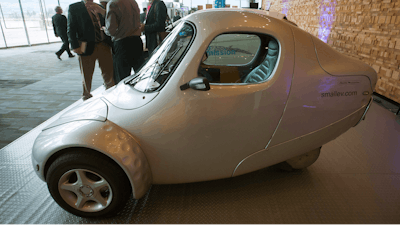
{"points": [[28, 22], [12, 23], [2, 37], [35, 20]]}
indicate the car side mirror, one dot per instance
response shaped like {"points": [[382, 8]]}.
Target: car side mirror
{"points": [[198, 83]]}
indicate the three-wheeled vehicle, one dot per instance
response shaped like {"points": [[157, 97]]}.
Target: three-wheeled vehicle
{"points": [[228, 92]]}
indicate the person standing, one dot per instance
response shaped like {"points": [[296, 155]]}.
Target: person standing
{"points": [[104, 3], [143, 15], [60, 30], [85, 20], [176, 17], [155, 23], [123, 25]]}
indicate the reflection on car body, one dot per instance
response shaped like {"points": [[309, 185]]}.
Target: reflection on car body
{"points": [[228, 92]]}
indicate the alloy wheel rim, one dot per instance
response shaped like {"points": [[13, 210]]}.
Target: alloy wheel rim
{"points": [[85, 190]]}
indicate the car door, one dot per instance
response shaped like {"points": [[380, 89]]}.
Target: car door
{"points": [[196, 135]]}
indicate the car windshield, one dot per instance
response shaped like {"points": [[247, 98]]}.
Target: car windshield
{"points": [[164, 59]]}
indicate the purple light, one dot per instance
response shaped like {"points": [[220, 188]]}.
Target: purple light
{"points": [[285, 6], [327, 16]]}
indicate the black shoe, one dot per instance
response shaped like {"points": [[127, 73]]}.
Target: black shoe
{"points": [[71, 56], [58, 56], [84, 98]]}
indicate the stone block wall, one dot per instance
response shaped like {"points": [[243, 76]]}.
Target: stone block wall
{"points": [[365, 29]]}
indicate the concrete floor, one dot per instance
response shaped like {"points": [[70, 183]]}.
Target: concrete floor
{"points": [[355, 180]]}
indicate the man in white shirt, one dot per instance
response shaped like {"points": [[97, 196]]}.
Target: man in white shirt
{"points": [[123, 25]]}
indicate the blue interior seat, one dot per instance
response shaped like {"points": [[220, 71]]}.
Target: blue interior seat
{"points": [[263, 71]]}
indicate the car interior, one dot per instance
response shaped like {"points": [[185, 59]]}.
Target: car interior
{"points": [[259, 69], [263, 71]]}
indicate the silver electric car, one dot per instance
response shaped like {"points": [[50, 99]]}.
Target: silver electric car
{"points": [[228, 92]]}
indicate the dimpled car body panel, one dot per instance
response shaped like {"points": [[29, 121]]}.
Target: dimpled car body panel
{"points": [[104, 137], [313, 95]]}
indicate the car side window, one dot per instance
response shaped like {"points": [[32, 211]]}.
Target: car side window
{"points": [[232, 49], [239, 58]]}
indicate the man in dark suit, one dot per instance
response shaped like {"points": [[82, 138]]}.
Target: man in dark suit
{"points": [[176, 17], [85, 20], [60, 30], [143, 15], [155, 23]]}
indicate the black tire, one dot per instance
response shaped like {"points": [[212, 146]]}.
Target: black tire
{"points": [[92, 166]]}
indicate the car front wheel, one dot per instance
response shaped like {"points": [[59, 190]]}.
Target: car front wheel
{"points": [[88, 184]]}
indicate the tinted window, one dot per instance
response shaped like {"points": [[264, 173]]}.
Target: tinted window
{"points": [[163, 61], [232, 49]]}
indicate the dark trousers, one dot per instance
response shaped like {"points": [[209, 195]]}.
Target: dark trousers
{"points": [[151, 42], [65, 46], [128, 54]]}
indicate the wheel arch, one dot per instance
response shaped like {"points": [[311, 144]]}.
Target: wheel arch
{"points": [[105, 138], [69, 150]]}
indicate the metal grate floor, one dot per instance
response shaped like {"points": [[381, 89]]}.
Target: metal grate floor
{"points": [[355, 180]]}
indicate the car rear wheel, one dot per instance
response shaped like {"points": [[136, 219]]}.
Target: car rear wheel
{"points": [[88, 184], [302, 161]]}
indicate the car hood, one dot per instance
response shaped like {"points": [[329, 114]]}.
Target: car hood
{"points": [[121, 96], [124, 96], [92, 109]]}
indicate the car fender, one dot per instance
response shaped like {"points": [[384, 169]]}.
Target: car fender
{"points": [[104, 137]]}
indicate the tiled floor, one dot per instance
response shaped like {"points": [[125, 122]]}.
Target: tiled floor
{"points": [[34, 86], [392, 107]]}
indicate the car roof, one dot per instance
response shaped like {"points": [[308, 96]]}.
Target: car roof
{"points": [[273, 14], [230, 19]]}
